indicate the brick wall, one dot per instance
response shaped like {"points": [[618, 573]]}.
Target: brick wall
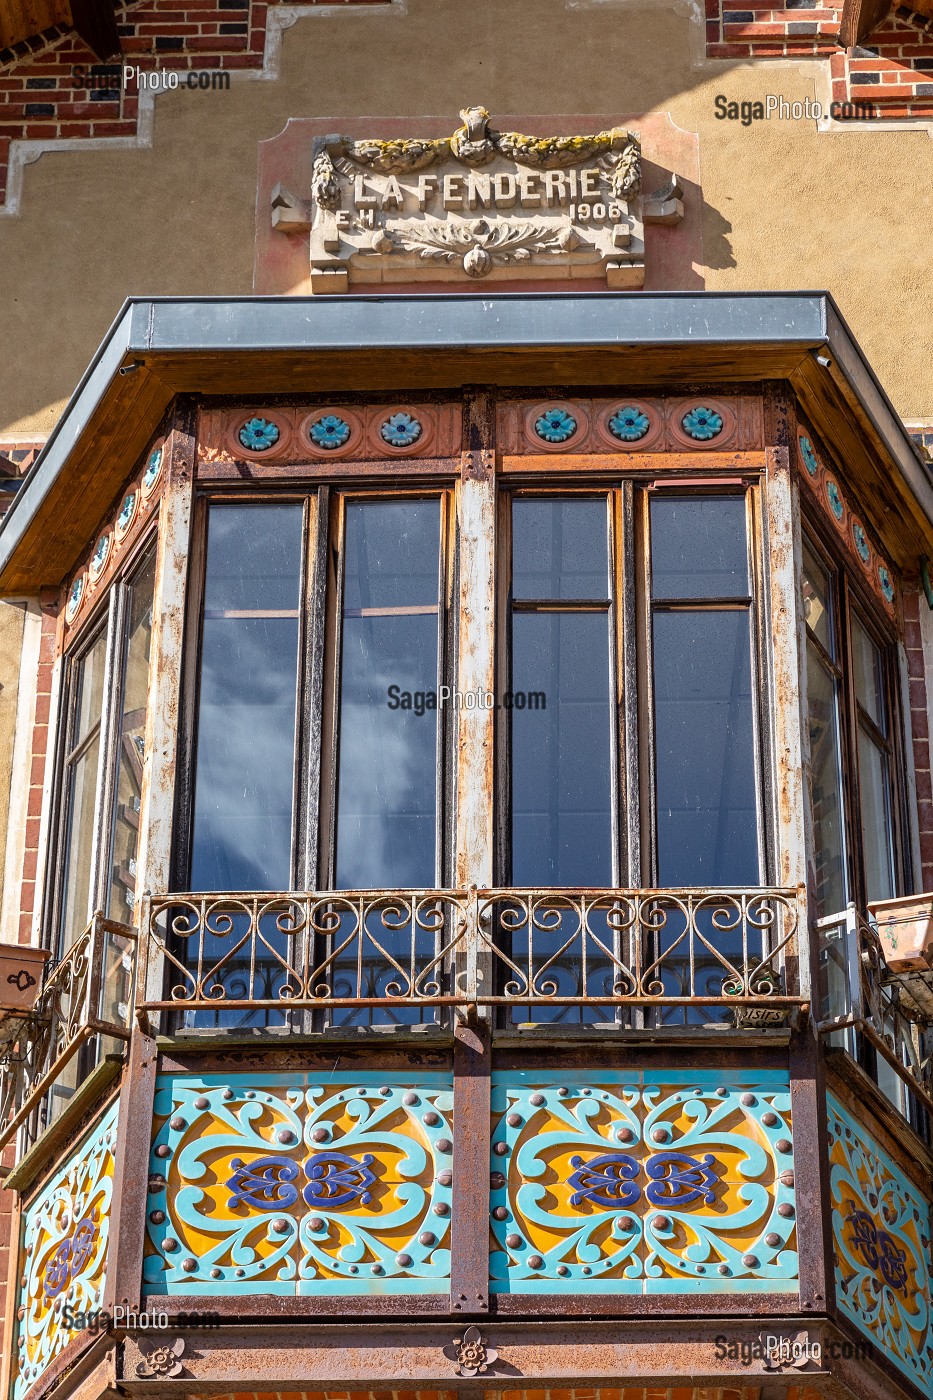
{"points": [[892, 75], [42, 98]]}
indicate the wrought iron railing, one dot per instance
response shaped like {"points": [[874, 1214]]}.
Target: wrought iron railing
{"points": [[84, 1005], [859, 996], [539, 952]]}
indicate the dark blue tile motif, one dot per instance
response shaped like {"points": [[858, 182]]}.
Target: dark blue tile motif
{"points": [[336, 1180], [266, 1184], [605, 1181], [678, 1179]]}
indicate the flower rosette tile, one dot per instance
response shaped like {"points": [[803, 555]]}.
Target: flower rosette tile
{"points": [[293, 1186], [643, 1184], [64, 1252], [882, 1241]]}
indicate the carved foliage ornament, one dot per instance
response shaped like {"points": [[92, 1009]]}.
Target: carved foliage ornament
{"points": [[574, 205]]}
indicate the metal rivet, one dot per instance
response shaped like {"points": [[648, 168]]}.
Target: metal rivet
{"points": [[769, 1119], [625, 1135], [660, 1222], [163, 1151], [157, 1217], [701, 1268], [537, 1100], [431, 1119], [444, 1145], [783, 1145], [785, 1210], [178, 1125], [385, 1091], [227, 1094], [250, 1094], [723, 1269], [563, 1270], [410, 1099], [203, 1103], [722, 1093], [280, 1226], [217, 1273], [403, 1260], [514, 1120], [353, 1269], [496, 1181], [426, 1238], [586, 1269], [748, 1100], [562, 1092], [169, 1245], [285, 1135], [445, 1177], [189, 1265], [500, 1213], [626, 1222], [375, 1268], [320, 1135], [441, 1208], [513, 1241], [500, 1148], [536, 1262], [750, 1261], [786, 1178], [659, 1134], [772, 1240], [316, 1224]]}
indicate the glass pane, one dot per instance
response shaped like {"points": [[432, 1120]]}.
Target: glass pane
{"points": [[704, 747], [877, 833], [130, 746], [561, 750], [825, 787], [560, 549], [244, 770], [387, 799], [698, 547], [868, 667], [82, 805], [817, 601], [90, 690]]}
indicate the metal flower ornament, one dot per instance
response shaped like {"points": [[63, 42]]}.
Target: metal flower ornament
{"points": [[470, 1352]]}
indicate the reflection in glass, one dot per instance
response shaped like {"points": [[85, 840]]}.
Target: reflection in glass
{"points": [[868, 666], [561, 750], [826, 786], [387, 818], [698, 547], [877, 826], [559, 548], [130, 740], [817, 602], [244, 772], [387, 799], [81, 769]]}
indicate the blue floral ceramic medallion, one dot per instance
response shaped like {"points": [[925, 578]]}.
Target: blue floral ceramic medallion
{"points": [[629, 423], [100, 556], [808, 455], [555, 425], [75, 598], [127, 514], [860, 539], [702, 423], [258, 435], [329, 432], [887, 586], [835, 499], [401, 430], [153, 468]]}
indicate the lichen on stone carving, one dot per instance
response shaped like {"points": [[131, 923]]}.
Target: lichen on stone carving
{"points": [[480, 243]]}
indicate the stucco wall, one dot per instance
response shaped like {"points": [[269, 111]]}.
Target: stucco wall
{"points": [[786, 205]]}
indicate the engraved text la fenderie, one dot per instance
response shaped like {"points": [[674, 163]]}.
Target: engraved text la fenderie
{"points": [[480, 204]]}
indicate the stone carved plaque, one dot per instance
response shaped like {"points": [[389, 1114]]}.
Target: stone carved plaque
{"points": [[481, 204]]}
